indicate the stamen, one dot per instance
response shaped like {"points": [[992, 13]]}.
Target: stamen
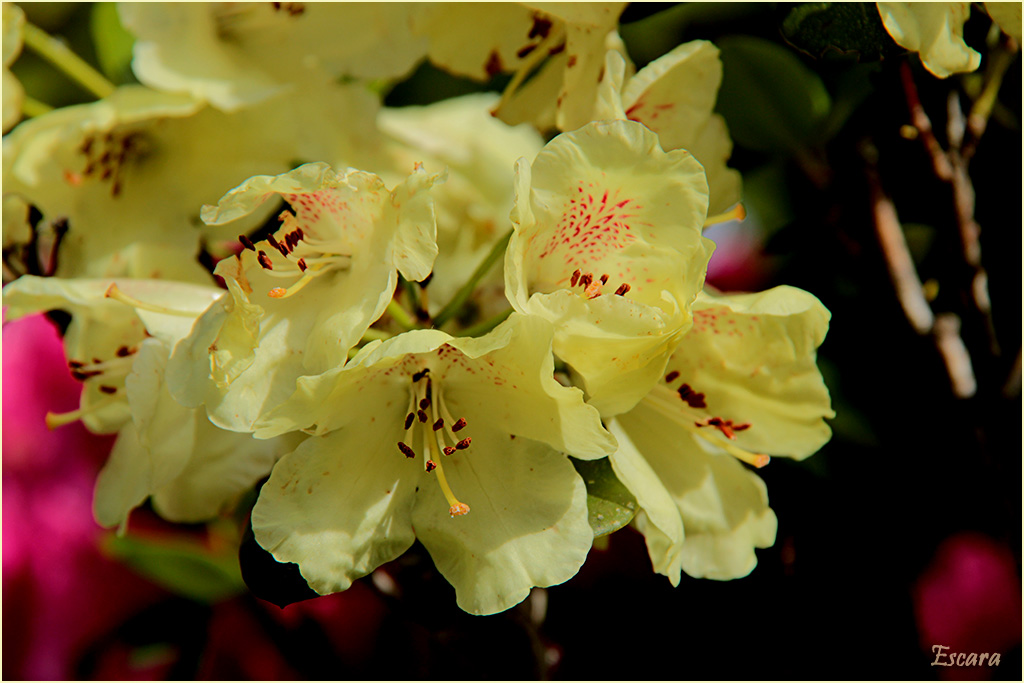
{"points": [[585, 280], [623, 289], [246, 242], [421, 374], [406, 450], [301, 264], [409, 420], [436, 446], [661, 400], [107, 389], [113, 292], [264, 260], [459, 424], [604, 279], [464, 444], [54, 420], [421, 415], [672, 376], [575, 278], [425, 403]]}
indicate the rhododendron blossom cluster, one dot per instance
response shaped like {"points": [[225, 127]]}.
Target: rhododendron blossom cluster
{"points": [[419, 323]]}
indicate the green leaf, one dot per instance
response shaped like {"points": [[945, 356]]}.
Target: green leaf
{"points": [[181, 567], [610, 505], [839, 29], [112, 42], [770, 99]]}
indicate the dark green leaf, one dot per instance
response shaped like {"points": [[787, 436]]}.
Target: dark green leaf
{"points": [[770, 99], [839, 29], [184, 568], [610, 504]]}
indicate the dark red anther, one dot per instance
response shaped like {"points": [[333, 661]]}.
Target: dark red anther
{"points": [[448, 450], [406, 451], [741, 427], [425, 403], [493, 65], [246, 242], [82, 375], [586, 279], [420, 375], [123, 351], [409, 419], [525, 50], [431, 466], [464, 444], [459, 424], [672, 376], [623, 289], [575, 278], [421, 415], [438, 425], [273, 242], [75, 364], [108, 390], [302, 264], [264, 260], [604, 279], [541, 27]]}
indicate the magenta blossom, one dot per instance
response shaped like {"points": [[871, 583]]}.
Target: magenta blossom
{"points": [[60, 593]]}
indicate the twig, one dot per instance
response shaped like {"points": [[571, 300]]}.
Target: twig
{"points": [[958, 361], [944, 328], [909, 290], [999, 60], [920, 120], [951, 167]]}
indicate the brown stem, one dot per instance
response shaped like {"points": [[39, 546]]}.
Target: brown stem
{"points": [[920, 121], [902, 271], [944, 328], [954, 353]]}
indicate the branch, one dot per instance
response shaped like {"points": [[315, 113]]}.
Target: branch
{"points": [[920, 121], [945, 328], [909, 290]]}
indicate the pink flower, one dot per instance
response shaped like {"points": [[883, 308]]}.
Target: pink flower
{"points": [[969, 600], [60, 593]]}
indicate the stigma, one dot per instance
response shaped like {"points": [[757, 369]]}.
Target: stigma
{"points": [[429, 423]]}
